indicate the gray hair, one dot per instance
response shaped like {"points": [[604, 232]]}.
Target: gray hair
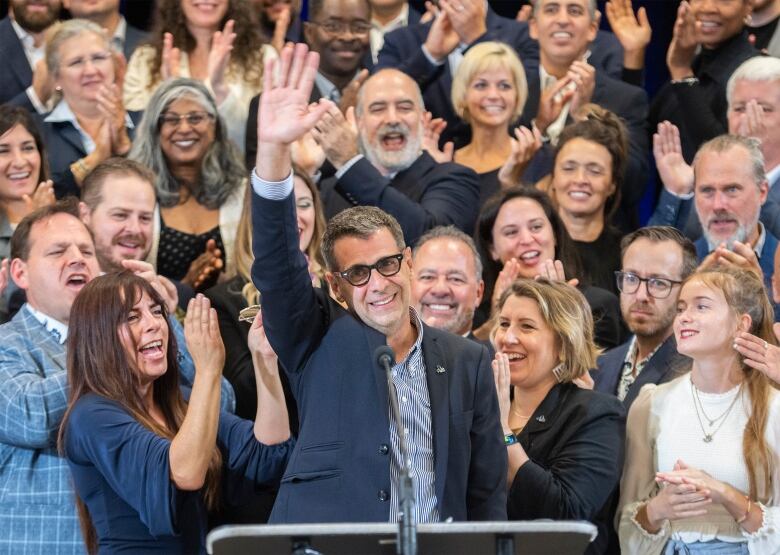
{"points": [[222, 171], [361, 222], [65, 31], [360, 94], [591, 8], [451, 232], [760, 69], [724, 143]]}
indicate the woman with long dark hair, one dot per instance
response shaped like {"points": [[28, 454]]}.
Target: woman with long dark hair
{"points": [[147, 465]]}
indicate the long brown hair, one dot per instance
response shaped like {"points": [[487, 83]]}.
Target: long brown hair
{"points": [[745, 293], [245, 56], [98, 364]]}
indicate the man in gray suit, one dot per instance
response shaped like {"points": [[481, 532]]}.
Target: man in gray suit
{"points": [[655, 261]]}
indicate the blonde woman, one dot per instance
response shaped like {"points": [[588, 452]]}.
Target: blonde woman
{"points": [[564, 442], [701, 472]]}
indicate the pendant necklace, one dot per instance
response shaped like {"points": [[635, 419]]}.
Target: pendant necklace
{"points": [[697, 405]]}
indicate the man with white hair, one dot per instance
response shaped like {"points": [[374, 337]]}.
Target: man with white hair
{"points": [[379, 161]]}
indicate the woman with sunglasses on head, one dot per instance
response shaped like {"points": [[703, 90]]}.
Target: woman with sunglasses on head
{"points": [[200, 183], [702, 463], [564, 442], [216, 43], [146, 465]]}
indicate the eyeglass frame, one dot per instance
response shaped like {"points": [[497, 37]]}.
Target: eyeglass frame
{"points": [[375, 266], [619, 282], [206, 116], [343, 26]]}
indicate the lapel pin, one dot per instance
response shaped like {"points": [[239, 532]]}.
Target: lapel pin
{"points": [[541, 418], [440, 370]]}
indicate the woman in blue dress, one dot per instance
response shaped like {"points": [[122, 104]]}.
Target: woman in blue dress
{"points": [[147, 465]]}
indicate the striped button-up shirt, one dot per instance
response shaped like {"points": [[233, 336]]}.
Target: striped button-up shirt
{"points": [[414, 404]]}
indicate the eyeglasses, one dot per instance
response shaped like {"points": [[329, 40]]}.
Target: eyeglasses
{"points": [[358, 28], [194, 119], [359, 274], [658, 288]]}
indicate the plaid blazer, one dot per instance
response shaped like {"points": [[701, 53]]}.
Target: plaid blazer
{"points": [[37, 504]]}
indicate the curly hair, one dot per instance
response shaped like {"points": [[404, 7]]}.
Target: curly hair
{"points": [[244, 58]]}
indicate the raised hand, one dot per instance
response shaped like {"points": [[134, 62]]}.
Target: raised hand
{"points": [[524, 13], [506, 276], [162, 285], [525, 145], [583, 75], [500, 366], [554, 271], [258, 343], [111, 107], [682, 48], [203, 269], [633, 31], [467, 18], [551, 102], [350, 92], [201, 331], [741, 255], [432, 130], [42, 82], [219, 59], [442, 38], [281, 25], [760, 354], [171, 59], [430, 12], [676, 174], [43, 195], [750, 122], [337, 135]]}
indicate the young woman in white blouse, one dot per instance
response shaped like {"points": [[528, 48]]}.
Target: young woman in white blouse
{"points": [[701, 471]]}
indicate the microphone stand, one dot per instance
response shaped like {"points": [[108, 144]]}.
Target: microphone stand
{"points": [[406, 539]]}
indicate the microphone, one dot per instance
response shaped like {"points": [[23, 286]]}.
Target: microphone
{"points": [[384, 356]]}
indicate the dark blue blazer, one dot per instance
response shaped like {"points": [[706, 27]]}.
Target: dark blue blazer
{"points": [[403, 50], [424, 195], [339, 470], [665, 365], [133, 38], [63, 147], [630, 103], [766, 260], [606, 53], [14, 67]]}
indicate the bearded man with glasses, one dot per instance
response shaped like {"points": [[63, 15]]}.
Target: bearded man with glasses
{"points": [[655, 260], [346, 464]]}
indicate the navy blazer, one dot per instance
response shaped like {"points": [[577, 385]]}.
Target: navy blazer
{"points": [[14, 67], [339, 470], [133, 38], [403, 50], [630, 104], [424, 195], [63, 147], [664, 366]]}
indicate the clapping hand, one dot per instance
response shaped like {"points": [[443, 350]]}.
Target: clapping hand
{"points": [[583, 75], [760, 354], [553, 271], [524, 13], [171, 58], [751, 123], [201, 331], [468, 18], [42, 196], [350, 92], [162, 285], [110, 106], [525, 145], [203, 269], [219, 59], [500, 366], [281, 24], [3, 275], [741, 256], [442, 38], [337, 135], [682, 49], [432, 130], [307, 154], [676, 174], [551, 102]]}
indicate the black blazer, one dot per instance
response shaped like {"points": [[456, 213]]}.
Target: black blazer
{"points": [[63, 147], [14, 67], [403, 50], [424, 195], [133, 38], [575, 443], [339, 470], [630, 104], [664, 366]]}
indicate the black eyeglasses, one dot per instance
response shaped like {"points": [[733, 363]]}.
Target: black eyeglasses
{"points": [[359, 274], [359, 28], [193, 118], [658, 288]]}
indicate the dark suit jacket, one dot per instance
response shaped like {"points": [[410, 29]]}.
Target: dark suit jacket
{"points": [[339, 470], [606, 53], [63, 147], [575, 442], [133, 37], [628, 102], [403, 50], [14, 67], [424, 195], [665, 365]]}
